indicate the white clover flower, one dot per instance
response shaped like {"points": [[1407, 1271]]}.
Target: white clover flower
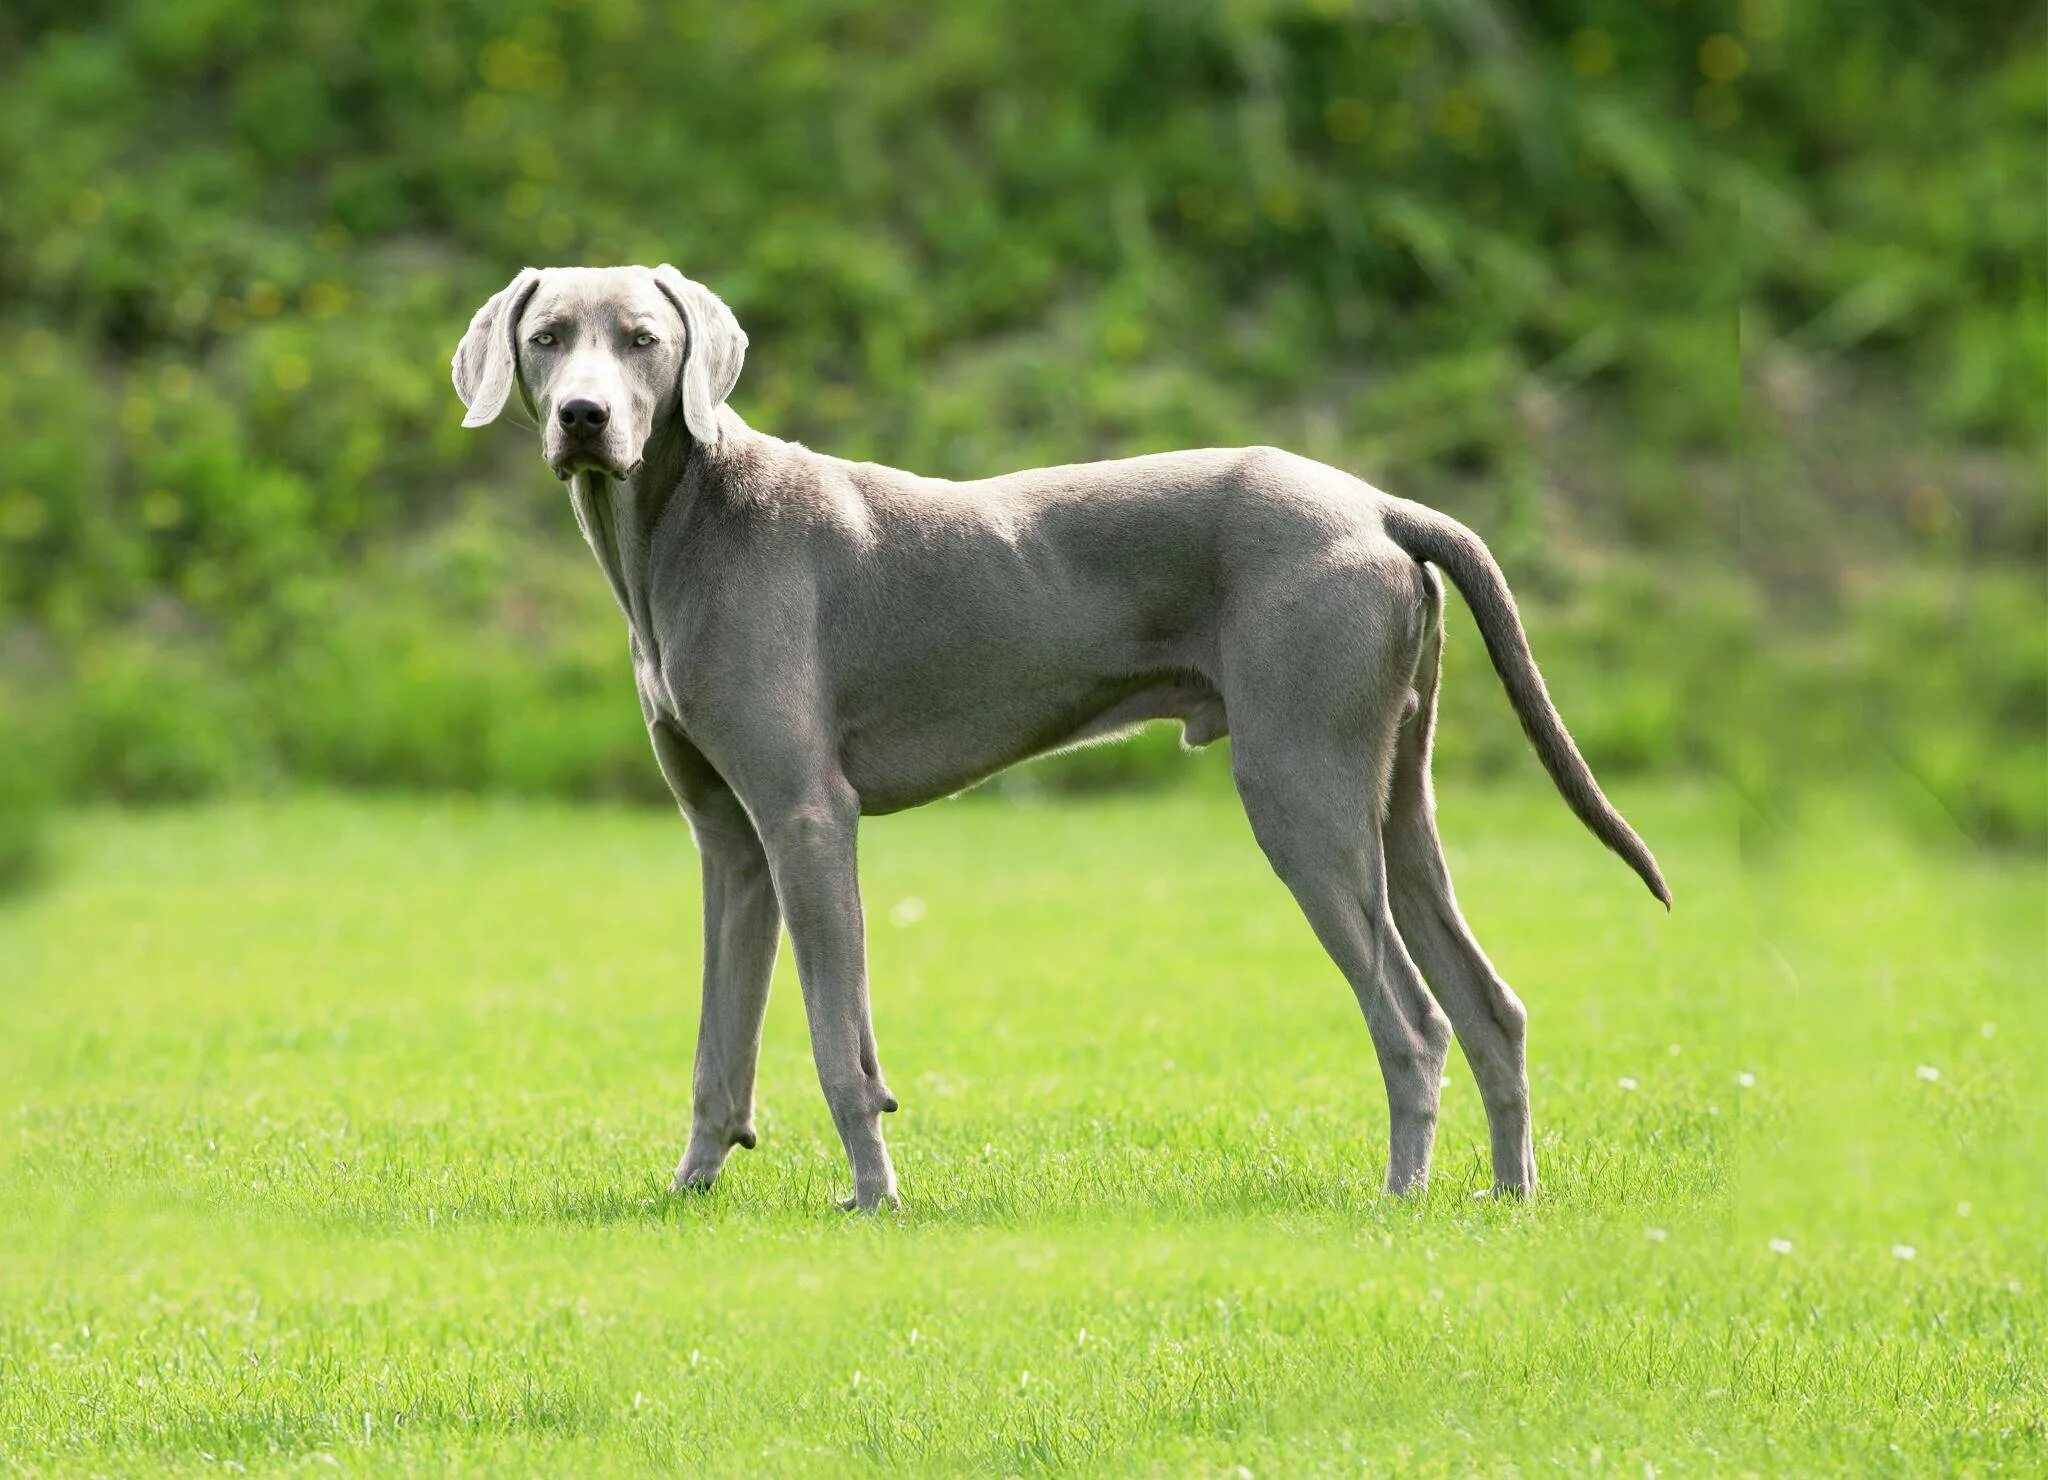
{"points": [[1745, 1080], [906, 912], [1781, 1246], [1927, 1072], [1655, 1235], [1627, 1082], [1904, 1251]]}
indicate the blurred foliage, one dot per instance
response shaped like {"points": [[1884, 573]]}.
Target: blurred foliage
{"points": [[1599, 276], [25, 796]]}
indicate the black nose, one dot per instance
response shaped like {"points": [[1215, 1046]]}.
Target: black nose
{"points": [[583, 416]]}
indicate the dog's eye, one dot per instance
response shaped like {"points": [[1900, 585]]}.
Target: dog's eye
{"points": [[543, 338], [641, 341]]}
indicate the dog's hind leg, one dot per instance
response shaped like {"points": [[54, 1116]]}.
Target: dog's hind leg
{"points": [[1490, 1021], [1314, 808]]}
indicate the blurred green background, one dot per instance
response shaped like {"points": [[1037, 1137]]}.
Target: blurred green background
{"points": [[1725, 325]]}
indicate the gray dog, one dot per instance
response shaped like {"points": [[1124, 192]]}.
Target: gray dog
{"points": [[815, 639]]}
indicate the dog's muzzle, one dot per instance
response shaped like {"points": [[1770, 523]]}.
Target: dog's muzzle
{"points": [[584, 460], [571, 455], [582, 435]]}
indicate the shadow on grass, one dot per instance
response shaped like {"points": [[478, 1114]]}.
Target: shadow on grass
{"points": [[795, 1194], [1313, 1168]]}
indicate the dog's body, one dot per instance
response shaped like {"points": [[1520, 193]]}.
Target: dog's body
{"points": [[814, 639]]}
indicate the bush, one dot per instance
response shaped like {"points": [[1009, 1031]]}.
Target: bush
{"points": [[25, 797], [152, 721], [1517, 264]]}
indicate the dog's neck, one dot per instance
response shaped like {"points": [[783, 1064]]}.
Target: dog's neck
{"points": [[607, 511], [619, 516]]}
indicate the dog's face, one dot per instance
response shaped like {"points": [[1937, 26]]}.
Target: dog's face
{"points": [[602, 357]]}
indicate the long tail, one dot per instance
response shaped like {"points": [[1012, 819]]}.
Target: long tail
{"points": [[1463, 556]]}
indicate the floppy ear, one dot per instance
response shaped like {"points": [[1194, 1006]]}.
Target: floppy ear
{"points": [[717, 347], [487, 359]]}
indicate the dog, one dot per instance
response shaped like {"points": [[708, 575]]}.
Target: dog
{"points": [[814, 640]]}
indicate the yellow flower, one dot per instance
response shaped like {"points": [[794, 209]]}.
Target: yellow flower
{"points": [[485, 115], [1592, 52], [1347, 120], [505, 65], [162, 509], [22, 516], [1123, 339], [1762, 19], [1722, 58], [324, 300], [537, 158], [1283, 205], [1458, 115]]}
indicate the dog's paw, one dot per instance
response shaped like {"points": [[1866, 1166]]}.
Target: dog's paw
{"points": [[1506, 1192], [693, 1179], [704, 1157], [700, 1168], [874, 1202]]}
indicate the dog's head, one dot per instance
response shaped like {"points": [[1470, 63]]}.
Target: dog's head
{"points": [[601, 357]]}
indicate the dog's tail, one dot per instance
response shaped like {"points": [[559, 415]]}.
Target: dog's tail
{"points": [[1463, 556]]}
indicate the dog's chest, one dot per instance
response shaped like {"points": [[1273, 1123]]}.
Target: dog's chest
{"points": [[654, 697]]}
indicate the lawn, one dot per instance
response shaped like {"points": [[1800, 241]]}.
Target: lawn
{"points": [[341, 1134]]}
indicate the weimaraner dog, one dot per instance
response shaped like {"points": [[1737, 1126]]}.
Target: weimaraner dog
{"points": [[815, 639]]}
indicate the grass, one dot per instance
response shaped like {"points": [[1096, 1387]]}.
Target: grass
{"points": [[341, 1133]]}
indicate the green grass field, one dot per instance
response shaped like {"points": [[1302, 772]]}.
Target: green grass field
{"points": [[341, 1134]]}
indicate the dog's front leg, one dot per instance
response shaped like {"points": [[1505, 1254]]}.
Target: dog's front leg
{"points": [[810, 841], [740, 925]]}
